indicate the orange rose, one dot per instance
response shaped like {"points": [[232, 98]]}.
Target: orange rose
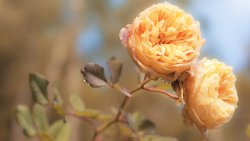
{"points": [[163, 41], [210, 94]]}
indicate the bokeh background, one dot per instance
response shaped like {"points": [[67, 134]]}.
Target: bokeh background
{"points": [[56, 37]]}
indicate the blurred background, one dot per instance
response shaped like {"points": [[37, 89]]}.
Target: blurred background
{"points": [[56, 37]]}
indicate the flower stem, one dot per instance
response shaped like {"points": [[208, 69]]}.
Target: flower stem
{"points": [[121, 108], [86, 119], [152, 89]]}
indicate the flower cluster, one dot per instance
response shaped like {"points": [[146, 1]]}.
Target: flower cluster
{"points": [[165, 42]]}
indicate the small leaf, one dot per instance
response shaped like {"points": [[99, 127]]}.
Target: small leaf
{"points": [[38, 85], [125, 130], [64, 133], [141, 123], [179, 90], [55, 129], [24, 119], [93, 74], [59, 109], [146, 124], [161, 84], [58, 101], [89, 113], [136, 118], [77, 103], [57, 97], [59, 131], [40, 118], [115, 69], [158, 138]]}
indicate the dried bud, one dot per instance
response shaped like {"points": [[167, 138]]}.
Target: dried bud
{"points": [[210, 94], [163, 41]]}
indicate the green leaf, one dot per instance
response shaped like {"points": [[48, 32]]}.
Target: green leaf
{"points": [[89, 113], [40, 118], [55, 129], [38, 85], [24, 119], [57, 96], [57, 101], [59, 109], [115, 69], [146, 124], [125, 130], [141, 123], [64, 133], [158, 138], [93, 74], [77, 103], [161, 84], [136, 118]]}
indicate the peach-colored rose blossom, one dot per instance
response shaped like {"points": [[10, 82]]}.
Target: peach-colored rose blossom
{"points": [[210, 94], [163, 41]]}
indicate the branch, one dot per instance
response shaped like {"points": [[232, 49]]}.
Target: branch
{"points": [[123, 104], [152, 89], [132, 129], [86, 119]]}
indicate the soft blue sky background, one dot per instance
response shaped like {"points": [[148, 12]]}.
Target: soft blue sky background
{"points": [[228, 29], [225, 25]]}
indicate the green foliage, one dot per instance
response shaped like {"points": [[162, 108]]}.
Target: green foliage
{"points": [[146, 124], [77, 103], [161, 84], [55, 128], [80, 109], [38, 85], [40, 118], [24, 119], [89, 113], [132, 126], [37, 124], [141, 123], [63, 134], [57, 101]]}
